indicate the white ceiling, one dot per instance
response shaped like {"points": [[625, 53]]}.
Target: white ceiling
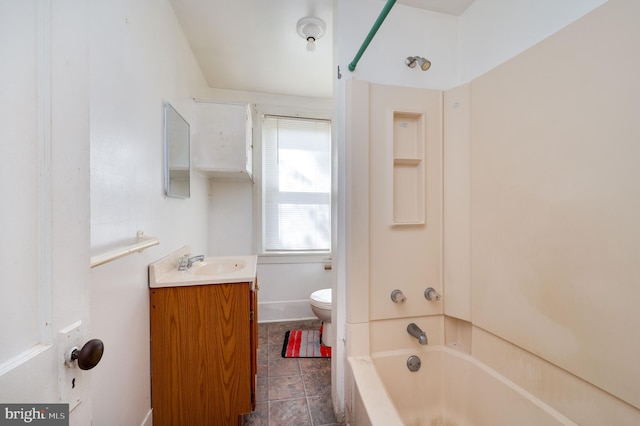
{"points": [[252, 45], [451, 7]]}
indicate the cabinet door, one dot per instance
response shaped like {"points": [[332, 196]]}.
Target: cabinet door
{"points": [[222, 139], [200, 354], [253, 300]]}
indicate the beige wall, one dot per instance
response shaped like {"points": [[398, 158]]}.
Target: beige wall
{"points": [[456, 203], [405, 181], [395, 226], [555, 198]]}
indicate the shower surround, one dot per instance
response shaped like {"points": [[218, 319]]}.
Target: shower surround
{"points": [[529, 230]]}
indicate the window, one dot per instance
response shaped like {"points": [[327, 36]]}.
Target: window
{"points": [[296, 176]]}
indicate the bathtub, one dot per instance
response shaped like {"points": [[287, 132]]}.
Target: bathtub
{"points": [[450, 388]]}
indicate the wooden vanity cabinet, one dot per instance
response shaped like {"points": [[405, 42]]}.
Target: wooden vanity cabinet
{"points": [[203, 353]]}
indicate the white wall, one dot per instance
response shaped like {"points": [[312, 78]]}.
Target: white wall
{"points": [[406, 31], [230, 217], [460, 48], [139, 59], [285, 282], [492, 31]]}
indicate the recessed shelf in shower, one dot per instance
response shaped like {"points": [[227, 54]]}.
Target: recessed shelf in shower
{"points": [[408, 169]]}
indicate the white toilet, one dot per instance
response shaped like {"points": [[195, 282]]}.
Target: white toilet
{"points": [[320, 302]]}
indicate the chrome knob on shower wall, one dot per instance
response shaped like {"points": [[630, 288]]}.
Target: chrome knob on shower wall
{"points": [[432, 294], [398, 297]]}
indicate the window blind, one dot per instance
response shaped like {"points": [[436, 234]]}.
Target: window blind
{"points": [[296, 184]]}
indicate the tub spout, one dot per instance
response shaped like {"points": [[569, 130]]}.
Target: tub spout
{"points": [[415, 331]]}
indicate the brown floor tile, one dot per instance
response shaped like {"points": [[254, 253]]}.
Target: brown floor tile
{"points": [[317, 385], [259, 417], [315, 366], [285, 387], [289, 412], [263, 334], [321, 409], [290, 391], [275, 350], [284, 367], [263, 368], [277, 331], [262, 390]]}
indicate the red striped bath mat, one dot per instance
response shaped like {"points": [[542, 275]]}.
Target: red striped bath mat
{"points": [[304, 344]]}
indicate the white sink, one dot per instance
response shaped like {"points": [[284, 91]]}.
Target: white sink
{"points": [[218, 266], [213, 270]]}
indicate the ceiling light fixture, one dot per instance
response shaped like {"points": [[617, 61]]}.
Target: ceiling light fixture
{"points": [[411, 62], [311, 29]]}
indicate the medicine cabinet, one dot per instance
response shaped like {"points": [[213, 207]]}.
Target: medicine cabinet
{"points": [[223, 145]]}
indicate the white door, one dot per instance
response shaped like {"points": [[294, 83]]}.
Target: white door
{"points": [[44, 213]]}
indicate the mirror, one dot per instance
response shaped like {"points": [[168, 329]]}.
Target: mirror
{"points": [[177, 153]]}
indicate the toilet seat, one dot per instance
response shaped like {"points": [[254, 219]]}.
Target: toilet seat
{"points": [[321, 298]]}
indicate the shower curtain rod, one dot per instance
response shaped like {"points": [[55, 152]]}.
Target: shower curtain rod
{"points": [[372, 32]]}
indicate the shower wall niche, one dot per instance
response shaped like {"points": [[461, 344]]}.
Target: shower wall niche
{"points": [[396, 148], [408, 169]]}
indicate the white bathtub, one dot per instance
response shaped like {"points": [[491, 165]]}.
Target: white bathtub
{"points": [[451, 388]]}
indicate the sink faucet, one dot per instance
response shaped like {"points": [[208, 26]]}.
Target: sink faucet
{"points": [[186, 262], [415, 331]]}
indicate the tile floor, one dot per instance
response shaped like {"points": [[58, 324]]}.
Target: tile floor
{"points": [[290, 391]]}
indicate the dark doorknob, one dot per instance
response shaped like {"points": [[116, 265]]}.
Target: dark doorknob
{"points": [[90, 354]]}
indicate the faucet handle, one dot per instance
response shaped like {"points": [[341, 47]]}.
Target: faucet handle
{"points": [[432, 294], [183, 261], [398, 297]]}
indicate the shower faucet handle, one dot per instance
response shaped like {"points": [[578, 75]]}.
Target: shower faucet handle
{"points": [[398, 297], [432, 294]]}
